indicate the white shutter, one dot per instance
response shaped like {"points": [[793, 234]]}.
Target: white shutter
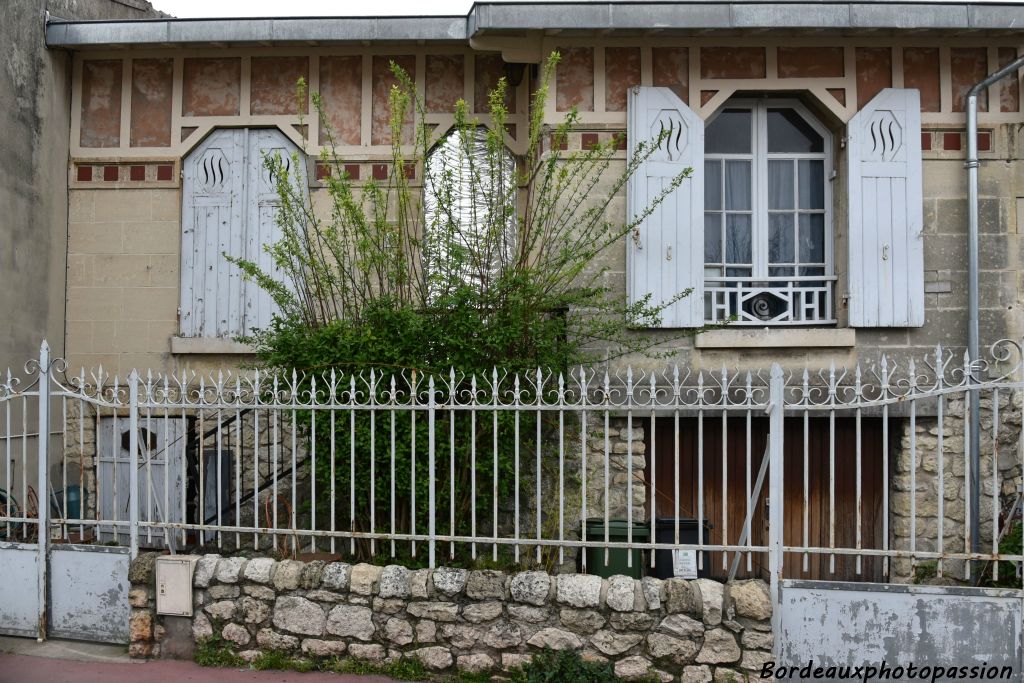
{"points": [[229, 206], [886, 249], [665, 255]]}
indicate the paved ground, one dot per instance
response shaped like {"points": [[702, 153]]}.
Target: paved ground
{"points": [[22, 660]]}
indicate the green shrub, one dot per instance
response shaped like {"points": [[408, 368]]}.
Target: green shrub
{"points": [[214, 651], [563, 666]]}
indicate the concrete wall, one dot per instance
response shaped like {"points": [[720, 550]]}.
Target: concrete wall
{"points": [[35, 92]]}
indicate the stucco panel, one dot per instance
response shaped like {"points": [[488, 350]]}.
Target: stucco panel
{"points": [[487, 70], [444, 82], [874, 72], [341, 91], [211, 86], [101, 103], [574, 82], [383, 79], [921, 71], [622, 71], [732, 62], [670, 68], [968, 65], [810, 62], [274, 82], [152, 83], [1009, 88]]}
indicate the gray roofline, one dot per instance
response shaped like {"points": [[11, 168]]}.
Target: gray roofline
{"points": [[566, 15]]}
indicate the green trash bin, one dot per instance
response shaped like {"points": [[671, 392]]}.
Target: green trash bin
{"points": [[618, 558]]}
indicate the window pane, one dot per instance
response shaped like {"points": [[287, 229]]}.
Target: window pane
{"points": [[729, 133], [780, 184], [780, 272], [713, 185], [780, 238], [812, 184], [737, 272], [737, 238], [737, 185], [812, 238], [712, 238], [788, 132]]}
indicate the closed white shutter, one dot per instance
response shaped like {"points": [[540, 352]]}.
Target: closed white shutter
{"points": [[886, 248], [229, 206], [665, 255]]}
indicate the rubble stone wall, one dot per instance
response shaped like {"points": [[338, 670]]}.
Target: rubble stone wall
{"points": [[470, 620]]}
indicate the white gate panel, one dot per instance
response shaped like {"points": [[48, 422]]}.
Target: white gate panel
{"points": [[19, 589], [89, 593], [860, 624]]}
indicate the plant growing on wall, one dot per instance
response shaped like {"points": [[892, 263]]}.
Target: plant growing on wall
{"points": [[492, 265]]}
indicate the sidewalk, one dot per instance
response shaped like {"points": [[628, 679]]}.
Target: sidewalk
{"points": [[22, 660]]}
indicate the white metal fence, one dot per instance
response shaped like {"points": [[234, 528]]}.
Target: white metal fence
{"points": [[866, 471]]}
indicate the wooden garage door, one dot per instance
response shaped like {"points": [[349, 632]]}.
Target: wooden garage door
{"points": [[727, 520]]}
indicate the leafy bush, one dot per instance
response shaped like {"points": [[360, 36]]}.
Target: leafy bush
{"points": [[214, 651], [498, 266], [563, 666]]}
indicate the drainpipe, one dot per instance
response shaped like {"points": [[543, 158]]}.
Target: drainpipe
{"points": [[972, 279]]}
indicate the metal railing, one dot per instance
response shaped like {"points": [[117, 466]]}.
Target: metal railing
{"points": [[866, 470], [780, 300]]}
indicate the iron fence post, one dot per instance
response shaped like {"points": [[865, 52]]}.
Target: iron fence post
{"points": [[776, 397], [43, 535], [431, 477], [133, 464]]}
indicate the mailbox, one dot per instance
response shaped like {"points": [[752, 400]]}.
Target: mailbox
{"points": [[174, 584]]}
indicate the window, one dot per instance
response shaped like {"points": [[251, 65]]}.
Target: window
{"points": [[767, 216], [470, 211]]}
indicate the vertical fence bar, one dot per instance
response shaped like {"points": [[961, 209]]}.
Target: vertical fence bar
{"points": [[940, 464], [432, 478], [776, 406], [133, 464], [43, 389]]}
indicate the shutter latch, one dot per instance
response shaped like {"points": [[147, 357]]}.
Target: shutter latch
{"points": [[885, 252], [636, 238], [668, 253]]}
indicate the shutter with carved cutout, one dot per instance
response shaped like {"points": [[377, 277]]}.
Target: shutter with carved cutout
{"points": [[229, 206], [665, 254], [886, 247]]}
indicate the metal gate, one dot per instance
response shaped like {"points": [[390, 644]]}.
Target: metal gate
{"points": [[52, 585]]}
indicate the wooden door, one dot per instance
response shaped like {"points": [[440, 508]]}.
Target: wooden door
{"points": [[725, 456]]}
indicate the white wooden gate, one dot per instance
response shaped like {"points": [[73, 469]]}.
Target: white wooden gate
{"points": [[229, 206]]}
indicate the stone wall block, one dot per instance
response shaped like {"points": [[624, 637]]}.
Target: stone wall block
{"points": [[260, 570], [269, 639], [364, 579], [719, 648], [682, 598], [613, 643], [532, 588], [229, 569], [750, 599], [299, 615], [288, 575], [336, 576], [435, 611], [556, 639], [486, 584], [323, 648], [351, 621], [578, 590], [394, 582], [205, 569], [449, 581], [434, 657], [712, 596], [621, 595], [311, 574], [483, 611]]}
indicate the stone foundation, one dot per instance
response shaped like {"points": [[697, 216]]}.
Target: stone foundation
{"points": [[457, 619]]}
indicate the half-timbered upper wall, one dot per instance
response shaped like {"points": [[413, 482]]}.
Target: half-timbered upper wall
{"points": [[160, 104]]}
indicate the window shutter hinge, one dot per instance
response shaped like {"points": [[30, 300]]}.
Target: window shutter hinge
{"points": [[842, 142]]}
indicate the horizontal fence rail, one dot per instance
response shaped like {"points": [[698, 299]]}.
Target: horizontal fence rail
{"points": [[861, 473]]}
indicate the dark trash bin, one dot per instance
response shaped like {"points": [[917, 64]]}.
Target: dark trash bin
{"points": [[617, 557], [665, 532]]}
